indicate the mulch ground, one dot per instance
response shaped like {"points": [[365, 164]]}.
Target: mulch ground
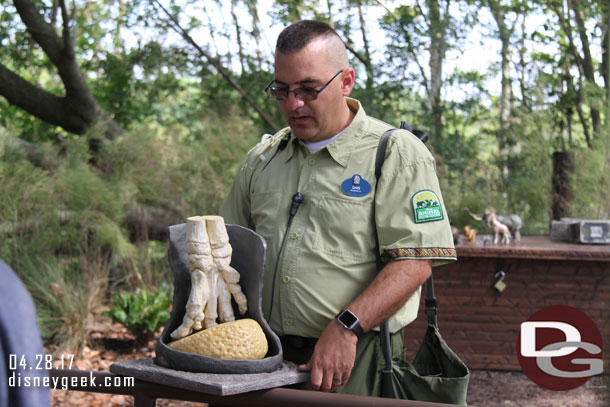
{"points": [[110, 343], [514, 389]]}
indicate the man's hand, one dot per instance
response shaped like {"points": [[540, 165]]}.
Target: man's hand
{"points": [[335, 352], [333, 358]]}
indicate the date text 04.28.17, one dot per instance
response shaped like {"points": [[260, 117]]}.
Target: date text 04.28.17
{"points": [[40, 362]]}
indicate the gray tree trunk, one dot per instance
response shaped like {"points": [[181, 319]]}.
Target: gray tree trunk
{"points": [[504, 32], [563, 168], [438, 46]]}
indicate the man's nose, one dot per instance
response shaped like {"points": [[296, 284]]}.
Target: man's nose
{"points": [[292, 102]]}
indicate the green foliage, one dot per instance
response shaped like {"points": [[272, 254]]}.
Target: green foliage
{"points": [[473, 175], [591, 182], [90, 229], [66, 295], [141, 312]]}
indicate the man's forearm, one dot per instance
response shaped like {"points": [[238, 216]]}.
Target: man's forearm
{"points": [[389, 291]]}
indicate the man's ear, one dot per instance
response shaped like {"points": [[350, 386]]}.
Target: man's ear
{"points": [[347, 82]]}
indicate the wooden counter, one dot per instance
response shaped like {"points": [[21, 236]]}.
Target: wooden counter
{"points": [[482, 324], [534, 247]]}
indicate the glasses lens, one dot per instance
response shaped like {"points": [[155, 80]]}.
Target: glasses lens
{"points": [[277, 93], [306, 94], [271, 92]]}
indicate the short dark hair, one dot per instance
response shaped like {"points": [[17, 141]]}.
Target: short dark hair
{"points": [[296, 36]]}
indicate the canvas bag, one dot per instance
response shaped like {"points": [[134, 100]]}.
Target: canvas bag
{"points": [[437, 374]]}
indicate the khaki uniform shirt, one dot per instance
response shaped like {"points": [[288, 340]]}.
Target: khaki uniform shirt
{"points": [[329, 254]]}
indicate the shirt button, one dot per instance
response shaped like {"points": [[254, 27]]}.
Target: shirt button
{"points": [[289, 322], [311, 161], [294, 235], [286, 279]]}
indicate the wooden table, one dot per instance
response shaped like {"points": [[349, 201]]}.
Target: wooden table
{"points": [[481, 324], [146, 393], [535, 247]]}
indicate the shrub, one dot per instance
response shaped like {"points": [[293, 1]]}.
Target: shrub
{"points": [[76, 232], [66, 296], [141, 312]]}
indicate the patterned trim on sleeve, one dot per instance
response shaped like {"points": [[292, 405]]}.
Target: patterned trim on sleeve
{"points": [[410, 252]]}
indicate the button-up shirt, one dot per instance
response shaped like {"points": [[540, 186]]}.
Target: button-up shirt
{"points": [[329, 254]]}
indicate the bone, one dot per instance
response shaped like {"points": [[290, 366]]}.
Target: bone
{"points": [[202, 265], [213, 280], [222, 251], [217, 232], [224, 302], [211, 309]]}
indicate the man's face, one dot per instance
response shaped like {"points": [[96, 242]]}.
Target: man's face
{"points": [[325, 116]]}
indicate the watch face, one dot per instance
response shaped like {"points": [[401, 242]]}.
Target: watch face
{"points": [[348, 318]]}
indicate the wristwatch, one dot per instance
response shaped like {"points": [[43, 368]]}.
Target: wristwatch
{"points": [[350, 321]]}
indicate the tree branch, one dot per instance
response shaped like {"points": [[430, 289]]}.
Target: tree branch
{"points": [[79, 106], [240, 46], [583, 63], [582, 32], [522, 67], [422, 71], [386, 8], [369, 67], [39, 103], [43, 33], [587, 60], [567, 28], [219, 67], [54, 12], [68, 44], [348, 44]]}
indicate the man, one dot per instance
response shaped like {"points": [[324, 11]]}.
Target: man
{"points": [[320, 242]]}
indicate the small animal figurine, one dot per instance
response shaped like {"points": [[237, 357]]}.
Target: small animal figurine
{"points": [[499, 229], [513, 222], [470, 235]]}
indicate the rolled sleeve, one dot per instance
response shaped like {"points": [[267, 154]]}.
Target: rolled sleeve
{"points": [[411, 218]]}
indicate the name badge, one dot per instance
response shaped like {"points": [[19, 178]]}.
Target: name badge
{"points": [[355, 186]]}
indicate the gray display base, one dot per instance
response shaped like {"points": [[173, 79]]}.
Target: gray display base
{"points": [[249, 251], [211, 383]]}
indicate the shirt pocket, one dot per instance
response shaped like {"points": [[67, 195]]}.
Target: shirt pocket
{"points": [[264, 212], [345, 229]]}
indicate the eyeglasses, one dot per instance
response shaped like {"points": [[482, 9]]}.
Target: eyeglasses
{"points": [[304, 93]]}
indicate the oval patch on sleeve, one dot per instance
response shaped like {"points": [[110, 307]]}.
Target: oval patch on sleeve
{"points": [[426, 206]]}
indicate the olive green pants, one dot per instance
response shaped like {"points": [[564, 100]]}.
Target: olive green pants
{"points": [[365, 379]]}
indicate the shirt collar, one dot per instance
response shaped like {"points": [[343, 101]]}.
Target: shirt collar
{"points": [[342, 147], [293, 144]]}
